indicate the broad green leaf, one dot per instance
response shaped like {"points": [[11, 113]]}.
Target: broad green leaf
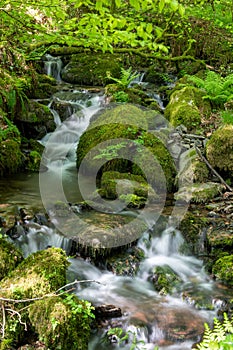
{"points": [[161, 5]]}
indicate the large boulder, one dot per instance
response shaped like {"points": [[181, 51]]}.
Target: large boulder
{"points": [[91, 69], [10, 154], [119, 140], [40, 274], [186, 107], [219, 150], [35, 121]]}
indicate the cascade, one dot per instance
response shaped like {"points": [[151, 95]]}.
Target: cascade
{"points": [[170, 321], [53, 66]]}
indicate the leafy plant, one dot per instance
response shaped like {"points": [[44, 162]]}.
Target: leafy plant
{"points": [[227, 117], [218, 89], [220, 337], [127, 76], [121, 96], [129, 338]]}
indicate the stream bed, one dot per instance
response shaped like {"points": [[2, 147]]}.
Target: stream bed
{"points": [[172, 321]]}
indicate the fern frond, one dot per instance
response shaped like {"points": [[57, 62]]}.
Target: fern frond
{"points": [[228, 324], [218, 331]]}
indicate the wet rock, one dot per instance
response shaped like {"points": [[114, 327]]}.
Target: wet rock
{"points": [[164, 279], [36, 121], [125, 263], [199, 192], [92, 69], [107, 311]]}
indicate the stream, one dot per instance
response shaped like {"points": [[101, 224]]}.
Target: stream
{"points": [[170, 321]]}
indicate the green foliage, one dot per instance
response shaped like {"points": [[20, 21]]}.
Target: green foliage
{"points": [[82, 309], [219, 337], [121, 96], [127, 76], [227, 117], [218, 89], [129, 338]]}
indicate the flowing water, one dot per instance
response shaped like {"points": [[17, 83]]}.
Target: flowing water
{"points": [[170, 321]]}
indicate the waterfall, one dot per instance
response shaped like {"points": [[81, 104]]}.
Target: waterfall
{"points": [[53, 66]]}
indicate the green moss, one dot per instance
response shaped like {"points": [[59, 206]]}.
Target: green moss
{"points": [[191, 227], [219, 150], [126, 123], [10, 141], [186, 106], [199, 192], [10, 257], [92, 69], [38, 275], [125, 263], [60, 325], [223, 269], [34, 160], [164, 279]]}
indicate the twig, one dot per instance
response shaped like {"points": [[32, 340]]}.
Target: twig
{"points": [[76, 282], [13, 312], [47, 295], [3, 321], [212, 169]]}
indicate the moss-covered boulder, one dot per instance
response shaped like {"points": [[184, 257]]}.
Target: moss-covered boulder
{"points": [[191, 169], [10, 257], [62, 323], [118, 140], [186, 106], [125, 263], [199, 192], [223, 269], [38, 275], [131, 189], [44, 88], [33, 154], [192, 228], [35, 121], [11, 156], [219, 150], [91, 69], [164, 279]]}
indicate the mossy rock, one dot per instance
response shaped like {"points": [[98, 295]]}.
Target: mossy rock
{"points": [[191, 169], [10, 257], [192, 227], [186, 106], [164, 279], [131, 189], [199, 192], [91, 69], [33, 155], [38, 275], [44, 88], [107, 141], [219, 150], [223, 269], [220, 239], [126, 263], [61, 324], [35, 121], [11, 156]]}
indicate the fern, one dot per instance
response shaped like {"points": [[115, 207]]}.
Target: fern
{"points": [[220, 337], [127, 76], [217, 88]]}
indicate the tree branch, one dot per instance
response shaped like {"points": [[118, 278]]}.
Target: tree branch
{"points": [[213, 170]]}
